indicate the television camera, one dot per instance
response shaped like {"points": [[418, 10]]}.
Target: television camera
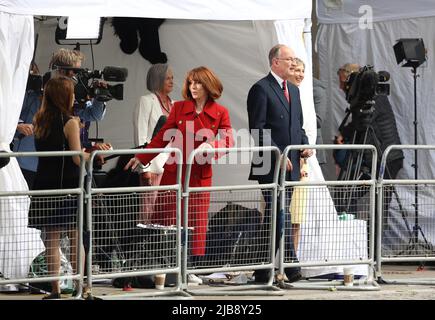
{"points": [[87, 86], [363, 86]]}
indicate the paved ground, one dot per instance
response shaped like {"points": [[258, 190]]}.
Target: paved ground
{"points": [[329, 291]]}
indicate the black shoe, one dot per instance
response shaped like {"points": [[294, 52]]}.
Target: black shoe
{"points": [[75, 291], [52, 296], [293, 276], [261, 276]]}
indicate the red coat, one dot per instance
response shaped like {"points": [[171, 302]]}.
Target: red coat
{"points": [[187, 130]]}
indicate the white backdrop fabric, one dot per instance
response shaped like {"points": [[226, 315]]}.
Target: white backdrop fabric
{"points": [[351, 11], [171, 9], [346, 42], [19, 245]]}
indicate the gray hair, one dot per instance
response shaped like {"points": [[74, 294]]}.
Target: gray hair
{"points": [[156, 77], [274, 52], [348, 68]]}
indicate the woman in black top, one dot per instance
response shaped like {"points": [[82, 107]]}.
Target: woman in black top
{"points": [[56, 129]]}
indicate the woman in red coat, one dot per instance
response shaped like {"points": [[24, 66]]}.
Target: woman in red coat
{"points": [[192, 124]]}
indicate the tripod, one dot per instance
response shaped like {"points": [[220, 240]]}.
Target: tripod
{"points": [[413, 244], [355, 169]]}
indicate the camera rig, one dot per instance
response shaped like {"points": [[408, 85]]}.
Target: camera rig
{"points": [[87, 86], [363, 86]]}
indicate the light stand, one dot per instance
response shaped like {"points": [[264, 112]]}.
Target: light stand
{"points": [[413, 52]]}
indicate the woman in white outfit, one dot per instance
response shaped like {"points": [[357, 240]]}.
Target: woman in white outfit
{"points": [[299, 195], [319, 232], [160, 82]]}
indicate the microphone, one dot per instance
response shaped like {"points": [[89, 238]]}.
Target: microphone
{"points": [[4, 161], [116, 74]]}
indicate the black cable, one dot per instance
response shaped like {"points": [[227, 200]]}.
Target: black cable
{"points": [[92, 54], [93, 68]]}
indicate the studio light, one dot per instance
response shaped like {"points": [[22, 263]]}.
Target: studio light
{"points": [[410, 52], [79, 30]]}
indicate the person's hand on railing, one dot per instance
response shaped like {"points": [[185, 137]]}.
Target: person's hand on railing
{"points": [[103, 146], [133, 163], [146, 178], [289, 165], [306, 153]]}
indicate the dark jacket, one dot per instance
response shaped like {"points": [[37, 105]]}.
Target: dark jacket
{"points": [[274, 122], [383, 125]]}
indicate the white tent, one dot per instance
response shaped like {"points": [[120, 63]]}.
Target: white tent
{"points": [[364, 32], [236, 50]]}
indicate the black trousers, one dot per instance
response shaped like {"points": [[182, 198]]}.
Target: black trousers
{"points": [[29, 176], [263, 275]]}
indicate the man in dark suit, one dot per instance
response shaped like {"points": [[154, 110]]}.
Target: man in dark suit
{"points": [[275, 119]]}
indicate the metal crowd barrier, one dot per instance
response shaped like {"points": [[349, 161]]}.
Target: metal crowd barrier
{"points": [[412, 201], [23, 258], [335, 220], [337, 226], [237, 237], [125, 241]]}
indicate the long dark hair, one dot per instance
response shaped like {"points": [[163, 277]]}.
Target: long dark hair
{"points": [[58, 99]]}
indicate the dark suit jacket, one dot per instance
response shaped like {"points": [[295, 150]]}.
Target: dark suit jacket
{"points": [[278, 123]]}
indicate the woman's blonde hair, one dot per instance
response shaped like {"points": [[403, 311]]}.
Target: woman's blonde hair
{"points": [[66, 58], [300, 62]]}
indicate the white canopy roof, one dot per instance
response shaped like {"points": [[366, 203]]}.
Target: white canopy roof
{"points": [[351, 11], [171, 9]]}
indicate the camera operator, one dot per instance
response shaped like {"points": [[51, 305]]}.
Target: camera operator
{"points": [[63, 63], [381, 120], [24, 139], [373, 123]]}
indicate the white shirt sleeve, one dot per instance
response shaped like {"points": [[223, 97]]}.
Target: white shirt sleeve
{"points": [[141, 118]]}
